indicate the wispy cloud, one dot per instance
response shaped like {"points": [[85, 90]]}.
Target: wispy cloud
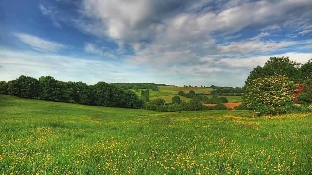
{"points": [[39, 43], [51, 14], [91, 48]]}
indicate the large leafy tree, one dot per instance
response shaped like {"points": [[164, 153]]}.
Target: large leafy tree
{"points": [[276, 66]]}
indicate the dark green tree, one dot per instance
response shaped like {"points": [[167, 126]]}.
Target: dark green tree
{"points": [[181, 93], [3, 87], [158, 102], [223, 100], [48, 88], [306, 70], [25, 87], [195, 104], [13, 88], [176, 100]]}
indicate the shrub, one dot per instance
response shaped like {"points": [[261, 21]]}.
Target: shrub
{"points": [[305, 98], [158, 102], [220, 106], [176, 100], [269, 95], [241, 107]]}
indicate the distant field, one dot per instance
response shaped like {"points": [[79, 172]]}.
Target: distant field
{"points": [[167, 92], [175, 89], [39, 137]]}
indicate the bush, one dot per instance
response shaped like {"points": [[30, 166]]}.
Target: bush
{"points": [[220, 106], [305, 98], [269, 95], [241, 107], [158, 102], [176, 100]]}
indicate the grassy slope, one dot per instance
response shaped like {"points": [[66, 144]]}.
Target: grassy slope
{"points": [[57, 138]]}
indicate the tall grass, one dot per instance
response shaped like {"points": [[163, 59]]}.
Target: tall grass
{"points": [[40, 137]]}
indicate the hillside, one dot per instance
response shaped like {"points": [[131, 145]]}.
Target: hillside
{"points": [[39, 137]]}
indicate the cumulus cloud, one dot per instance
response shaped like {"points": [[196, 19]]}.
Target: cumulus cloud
{"points": [[39, 43]]}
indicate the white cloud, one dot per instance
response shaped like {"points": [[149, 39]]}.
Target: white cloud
{"points": [[305, 32], [39, 43], [248, 47], [123, 22], [65, 68], [181, 40]]}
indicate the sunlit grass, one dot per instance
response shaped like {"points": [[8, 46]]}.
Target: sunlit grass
{"points": [[40, 137]]}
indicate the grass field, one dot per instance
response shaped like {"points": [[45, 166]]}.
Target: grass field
{"points": [[39, 137]]}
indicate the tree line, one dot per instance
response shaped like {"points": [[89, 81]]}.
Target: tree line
{"points": [[227, 91], [137, 86], [49, 89]]}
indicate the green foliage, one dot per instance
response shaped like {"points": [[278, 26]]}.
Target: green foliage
{"points": [[50, 89], [158, 102], [3, 88], [305, 98], [228, 91], [145, 95], [269, 95], [275, 66], [195, 104], [191, 93], [24, 86], [182, 93], [137, 86], [220, 106], [306, 70], [241, 107], [176, 100], [223, 100]]}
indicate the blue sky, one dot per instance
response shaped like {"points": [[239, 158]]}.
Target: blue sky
{"points": [[180, 42]]}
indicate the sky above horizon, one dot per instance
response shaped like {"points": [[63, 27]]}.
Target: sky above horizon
{"points": [[178, 42]]}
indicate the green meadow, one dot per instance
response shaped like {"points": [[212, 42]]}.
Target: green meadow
{"points": [[39, 137]]}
